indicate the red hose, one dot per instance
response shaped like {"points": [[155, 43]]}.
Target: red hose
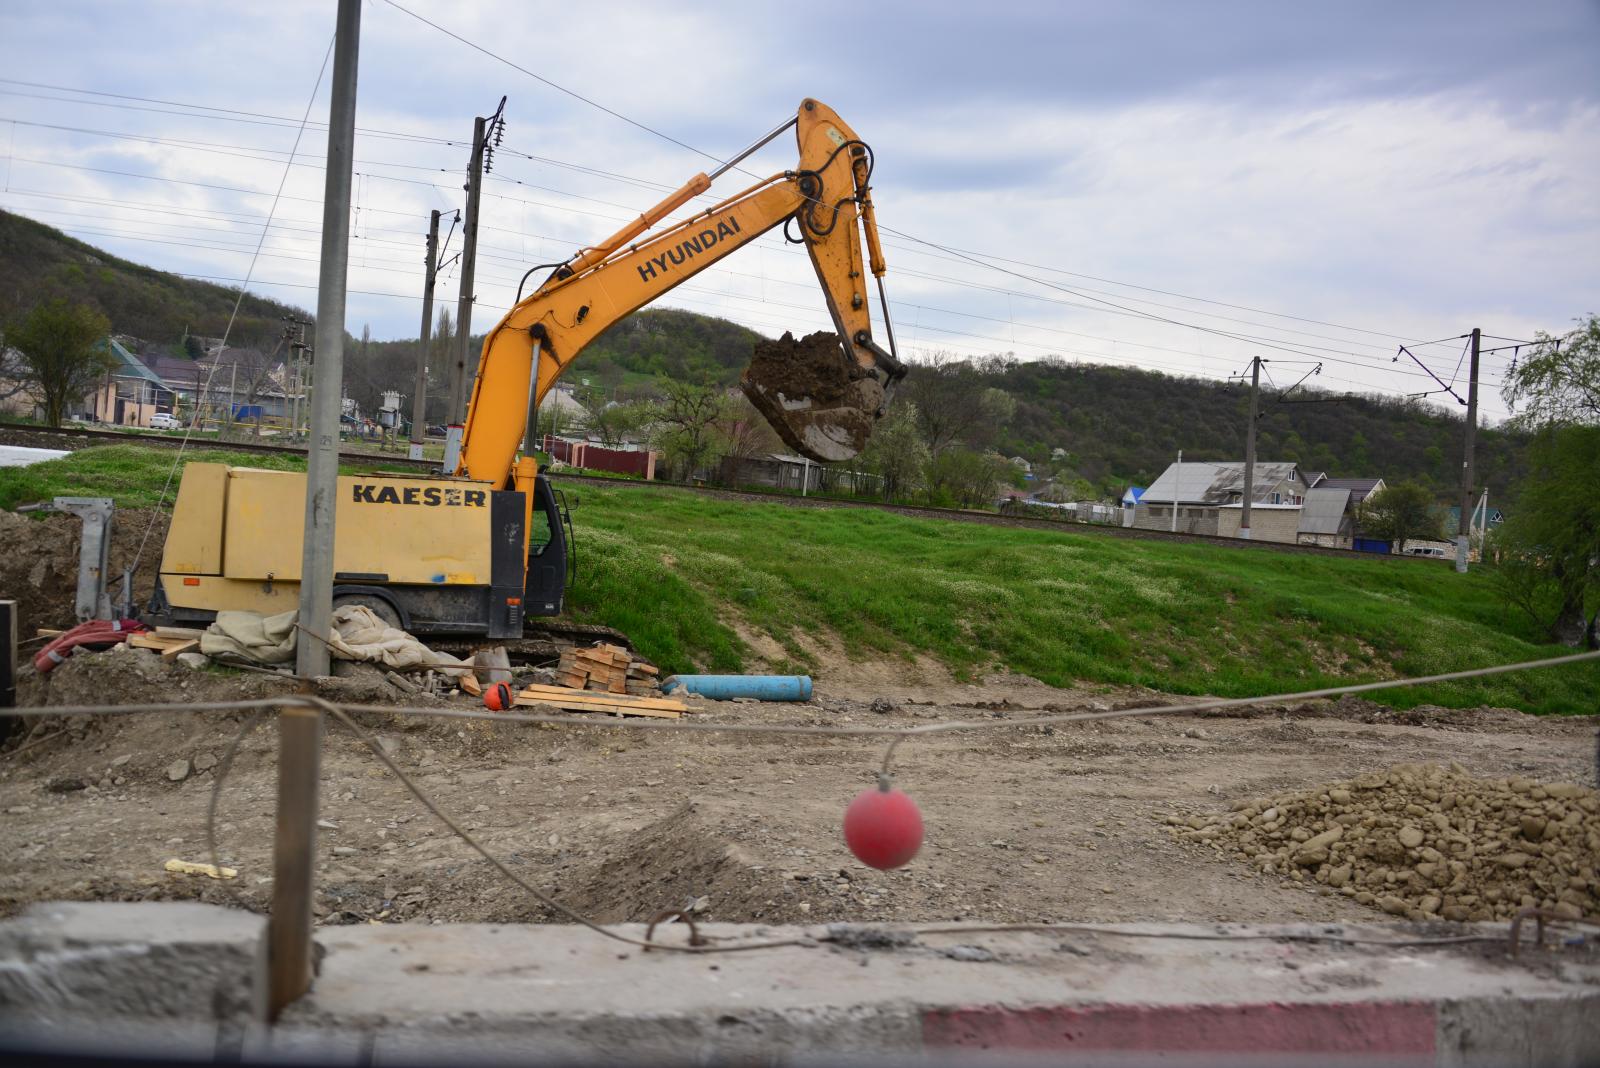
{"points": [[95, 634]]}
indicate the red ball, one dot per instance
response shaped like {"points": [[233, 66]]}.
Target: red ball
{"points": [[498, 698], [883, 827]]}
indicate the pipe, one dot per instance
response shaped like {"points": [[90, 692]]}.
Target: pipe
{"points": [[727, 687]]}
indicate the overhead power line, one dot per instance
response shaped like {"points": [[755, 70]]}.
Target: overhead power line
{"points": [[958, 255]]}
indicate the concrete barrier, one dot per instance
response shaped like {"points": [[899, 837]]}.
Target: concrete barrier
{"points": [[483, 992]]}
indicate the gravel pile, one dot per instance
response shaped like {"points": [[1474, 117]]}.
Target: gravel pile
{"points": [[1425, 842]]}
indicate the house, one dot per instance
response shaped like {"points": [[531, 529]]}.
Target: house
{"points": [[1022, 465], [1208, 499], [1327, 518], [1360, 488], [129, 393], [1130, 501], [774, 470]]}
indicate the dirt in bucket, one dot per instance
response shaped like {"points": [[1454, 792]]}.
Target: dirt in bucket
{"points": [[821, 403]]}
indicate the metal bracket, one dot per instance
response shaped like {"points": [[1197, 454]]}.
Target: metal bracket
{"points": [[94, 554]]}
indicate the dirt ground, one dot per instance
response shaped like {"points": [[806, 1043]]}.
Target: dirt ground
{"points": [[1039, 823]]}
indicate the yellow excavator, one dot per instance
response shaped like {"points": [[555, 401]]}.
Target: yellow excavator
{"points": [[480, 548]]}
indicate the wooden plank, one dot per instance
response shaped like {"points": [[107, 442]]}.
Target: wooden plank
{"points": [[559, 693], [583, 705], [642, 668], [171, 652], [48, 632], [148, 641], [618, 684], [470, 685]]}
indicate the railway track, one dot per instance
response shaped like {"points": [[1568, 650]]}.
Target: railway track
{"points": [[16, 433]]}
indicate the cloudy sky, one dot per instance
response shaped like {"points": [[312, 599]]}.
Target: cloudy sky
{"points": [[1167, 185]]}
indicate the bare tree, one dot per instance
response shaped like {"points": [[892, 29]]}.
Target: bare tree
{"points": [[686, 420]]}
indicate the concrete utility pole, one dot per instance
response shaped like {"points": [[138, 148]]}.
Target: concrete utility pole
{"points": [[1250, 448], [1177, 478], [1464, 527], [300, 728], [482, 130], [419, 395]]}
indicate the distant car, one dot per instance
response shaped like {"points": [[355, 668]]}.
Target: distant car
{"points": [[165, 421], [1425, 550], [437, 430]]}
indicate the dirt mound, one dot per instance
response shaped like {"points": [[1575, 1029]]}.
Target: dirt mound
{"points": [[39, 567], [685, 860], [1425, 842], [822, 404]]}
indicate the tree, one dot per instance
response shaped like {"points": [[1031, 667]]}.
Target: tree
{"points": [[1550, 548], [63, 352], [1558, 382], [896, 452], [686, 419], [955, 404], [1401, 512], [967, 478]]}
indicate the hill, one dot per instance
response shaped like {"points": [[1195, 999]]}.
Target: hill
{"points": [[1123, 423], [1116, 424], [38, 261]]}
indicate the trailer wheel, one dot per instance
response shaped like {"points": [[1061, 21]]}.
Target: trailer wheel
{"points": [[381, 607]]}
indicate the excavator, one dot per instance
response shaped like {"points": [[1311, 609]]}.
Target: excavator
{"points": [[484, 546]]}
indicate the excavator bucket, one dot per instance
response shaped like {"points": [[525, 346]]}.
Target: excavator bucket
{"points": [[821, 403]]}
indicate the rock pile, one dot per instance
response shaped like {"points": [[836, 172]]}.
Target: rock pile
{"points": [[1425, 842]]}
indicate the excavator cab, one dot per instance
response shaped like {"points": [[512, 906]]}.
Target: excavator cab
{"points": [[550, 555]]}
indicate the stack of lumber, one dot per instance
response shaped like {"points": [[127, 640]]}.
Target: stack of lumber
{"points": [[573, 700], [607, 669], [168, 641]]}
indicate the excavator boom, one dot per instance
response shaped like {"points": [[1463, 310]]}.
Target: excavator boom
{"points": [[824, 408]]}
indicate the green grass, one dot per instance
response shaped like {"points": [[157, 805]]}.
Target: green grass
{"points": [[674, 569], [133, 475], [668, 567]]}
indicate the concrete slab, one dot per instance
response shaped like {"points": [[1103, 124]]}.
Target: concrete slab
{"points": [[499, 991], [182, 977], [141, 960]]}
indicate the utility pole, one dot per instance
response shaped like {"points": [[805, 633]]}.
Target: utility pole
{"points": [[289, 955], [1463, 528], [1177, 478], [1250, 447], [483, 129], [419, 394], [297, 382]]}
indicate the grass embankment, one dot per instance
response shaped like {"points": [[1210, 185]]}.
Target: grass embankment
{"points": [[134, 474], [669, 568], [674, 569]]}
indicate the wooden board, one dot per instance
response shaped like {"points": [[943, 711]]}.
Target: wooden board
{"points": [[562, 693], [578, 703], [171, 652], [469, 685]]}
